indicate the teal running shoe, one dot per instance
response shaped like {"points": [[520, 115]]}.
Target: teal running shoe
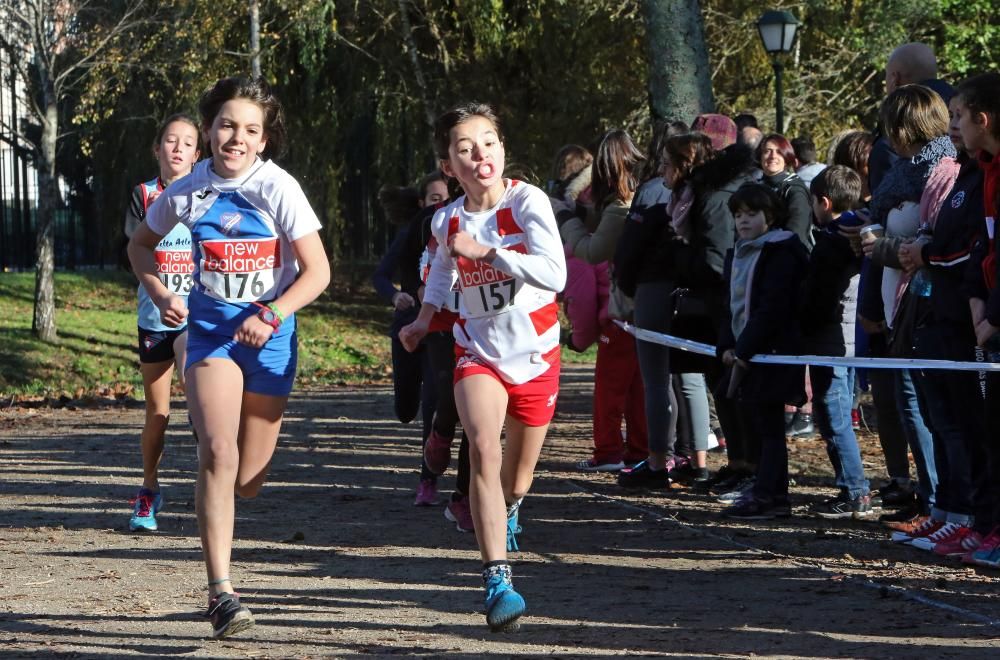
{"points": [[513, 528], [146, 505], [504, 606]]}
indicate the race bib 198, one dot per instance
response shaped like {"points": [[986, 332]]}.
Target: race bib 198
{"points": [[240, 269], [486, 291], [175, 269]]}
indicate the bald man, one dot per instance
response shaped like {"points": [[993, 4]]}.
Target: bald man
{"points": [[750, 136], [908, 64]]}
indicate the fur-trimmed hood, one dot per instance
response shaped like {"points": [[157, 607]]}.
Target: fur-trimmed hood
{"points": [[734, 162], [577, 184]]}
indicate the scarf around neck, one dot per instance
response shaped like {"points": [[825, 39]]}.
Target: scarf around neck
{"points": [[906, 180], [679, 209]]}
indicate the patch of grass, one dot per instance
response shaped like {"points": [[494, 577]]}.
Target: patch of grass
{"points": [[95, 317], [589, 356], [342, 338]]}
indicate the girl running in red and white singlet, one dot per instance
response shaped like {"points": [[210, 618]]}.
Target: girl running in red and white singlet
{"points": [[504, 247]]}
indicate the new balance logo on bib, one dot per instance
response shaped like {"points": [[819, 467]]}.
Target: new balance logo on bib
{"points": [[237, 253]]}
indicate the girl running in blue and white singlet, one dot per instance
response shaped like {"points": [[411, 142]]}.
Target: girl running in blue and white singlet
{"points": [[176, 149], [258, 258]]}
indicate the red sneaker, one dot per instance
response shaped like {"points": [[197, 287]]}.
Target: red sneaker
{"points": [[855, 419], [927, 542], [459, 512], [909, 531], [961, 541], [985, 550]]}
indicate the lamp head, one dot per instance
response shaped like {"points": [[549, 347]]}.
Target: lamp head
{"points": [[777, 31]]}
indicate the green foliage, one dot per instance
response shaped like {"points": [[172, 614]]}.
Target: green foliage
{"points": [[835, 79], [342, 339], [360, 81], [970, 37]]}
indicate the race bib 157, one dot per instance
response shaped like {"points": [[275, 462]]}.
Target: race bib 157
{"points": [[240, 269], [175, 269], [486, 291]]}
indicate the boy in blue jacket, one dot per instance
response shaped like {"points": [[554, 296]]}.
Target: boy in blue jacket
{"points": [[827, 316]]}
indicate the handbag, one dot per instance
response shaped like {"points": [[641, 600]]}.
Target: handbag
{"points": [[904, 322], [691, 318]]}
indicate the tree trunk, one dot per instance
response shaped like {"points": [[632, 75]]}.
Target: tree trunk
{"points": [[680, 82], [255, 38], [44, 321], [418, 71]]}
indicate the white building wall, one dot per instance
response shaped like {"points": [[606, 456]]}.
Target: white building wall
{"points": [[8, 159]]}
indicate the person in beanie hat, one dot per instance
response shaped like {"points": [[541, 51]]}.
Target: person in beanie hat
{"points": [[720, 128]]}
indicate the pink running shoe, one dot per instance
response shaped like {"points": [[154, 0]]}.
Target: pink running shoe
{"points": [[459, 512], [427, 493], [437, 452]]}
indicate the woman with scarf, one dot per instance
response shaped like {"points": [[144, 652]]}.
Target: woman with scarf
{"points": [[644, 268], [915, 121]]}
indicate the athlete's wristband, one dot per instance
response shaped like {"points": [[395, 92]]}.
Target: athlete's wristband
{"points": [[277, 312], [269, 315]]}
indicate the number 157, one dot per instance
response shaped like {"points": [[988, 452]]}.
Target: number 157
{"points": [[496, 295]]}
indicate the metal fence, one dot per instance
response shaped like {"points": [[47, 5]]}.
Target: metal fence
{"points": [[75, 246]]}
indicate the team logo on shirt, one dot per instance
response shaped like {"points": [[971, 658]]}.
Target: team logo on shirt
{"points": [[958, 199], [230, 222]]}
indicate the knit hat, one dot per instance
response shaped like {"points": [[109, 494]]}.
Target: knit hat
{"points": [[720, 128]]}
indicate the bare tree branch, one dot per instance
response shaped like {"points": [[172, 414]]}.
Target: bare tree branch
{"points": [[124, 25]]}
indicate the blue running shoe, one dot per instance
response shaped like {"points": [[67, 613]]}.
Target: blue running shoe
{"points": [[504, 606], [147, 505], [513, 529]]}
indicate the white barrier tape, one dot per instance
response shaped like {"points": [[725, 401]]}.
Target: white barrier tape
{"points": [[815, 360]]}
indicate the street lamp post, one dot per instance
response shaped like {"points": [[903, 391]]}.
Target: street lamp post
{"points": [[777, 31]]}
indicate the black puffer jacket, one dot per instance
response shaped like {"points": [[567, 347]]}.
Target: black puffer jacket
{"points": [[793, 192], [698, 265], [772, 326]]}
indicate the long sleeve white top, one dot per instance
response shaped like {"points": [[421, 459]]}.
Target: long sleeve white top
{"points": [[508, 317]]}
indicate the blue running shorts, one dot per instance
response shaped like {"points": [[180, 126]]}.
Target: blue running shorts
{"points": [[269, 370]]}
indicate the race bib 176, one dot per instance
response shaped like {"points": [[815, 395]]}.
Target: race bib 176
{"points": [[175, 269], [240, 269]]}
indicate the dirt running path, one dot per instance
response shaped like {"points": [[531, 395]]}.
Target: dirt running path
{"points": [[335, 562]]}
